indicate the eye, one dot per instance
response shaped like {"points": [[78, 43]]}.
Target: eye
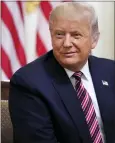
{"points": [[76, 35], [60, 34]]}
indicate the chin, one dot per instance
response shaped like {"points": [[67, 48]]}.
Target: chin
{"points": [[70, 65], [71, 61]]}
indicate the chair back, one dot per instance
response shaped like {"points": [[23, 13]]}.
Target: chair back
{"points": [[6, 125]]}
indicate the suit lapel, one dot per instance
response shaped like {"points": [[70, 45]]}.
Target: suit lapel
{"points": [[64, 88], [105, 98], [72, 104]]}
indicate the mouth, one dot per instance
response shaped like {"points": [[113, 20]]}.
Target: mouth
{"points": [[69, 54]]}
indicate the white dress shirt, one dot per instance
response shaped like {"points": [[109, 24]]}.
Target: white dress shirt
{"points": [[88, 84]]}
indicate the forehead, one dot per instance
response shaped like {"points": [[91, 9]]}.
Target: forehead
{"points": [[80, 24]]}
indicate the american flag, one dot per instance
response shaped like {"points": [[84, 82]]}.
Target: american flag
{"points": [[13, 54], [13, 49]]}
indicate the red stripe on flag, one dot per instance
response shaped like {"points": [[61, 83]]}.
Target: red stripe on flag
{"points": [[5, 64], [40, 48], [8, 20], [21, 9], [46, 8], [67, 1]]}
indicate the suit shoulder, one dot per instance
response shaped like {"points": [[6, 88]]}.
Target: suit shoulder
{"points": [[103, 66], [103, 62], [31, 71]]}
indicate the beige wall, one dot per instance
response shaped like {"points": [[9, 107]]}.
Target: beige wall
{"points": [[105, 12]]}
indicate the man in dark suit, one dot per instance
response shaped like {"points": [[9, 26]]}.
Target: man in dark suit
{"points": [[66, 96]]}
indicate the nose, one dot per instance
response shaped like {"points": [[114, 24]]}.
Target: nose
{"points": [[67, 41]]}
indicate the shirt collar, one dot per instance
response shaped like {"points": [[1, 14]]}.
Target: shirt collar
{"points": [[84, 70]]}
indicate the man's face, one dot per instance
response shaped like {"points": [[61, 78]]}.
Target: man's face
{"points": [[72, 42]]}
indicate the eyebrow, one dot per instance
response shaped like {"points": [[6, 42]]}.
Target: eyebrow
{"points": [[72, 32]]}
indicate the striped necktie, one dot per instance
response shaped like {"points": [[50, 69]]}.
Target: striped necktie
{"points": [[88, 109]]}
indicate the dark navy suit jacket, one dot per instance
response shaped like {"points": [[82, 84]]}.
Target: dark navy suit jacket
{"points": [[44, 107]]}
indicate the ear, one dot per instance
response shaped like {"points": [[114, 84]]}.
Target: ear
{"points": [[95, 39]]}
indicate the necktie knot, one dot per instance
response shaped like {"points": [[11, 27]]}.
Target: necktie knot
{"points": [[77, 75]]}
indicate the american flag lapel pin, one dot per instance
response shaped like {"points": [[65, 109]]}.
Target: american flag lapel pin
{"points": [[105, 83]]}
